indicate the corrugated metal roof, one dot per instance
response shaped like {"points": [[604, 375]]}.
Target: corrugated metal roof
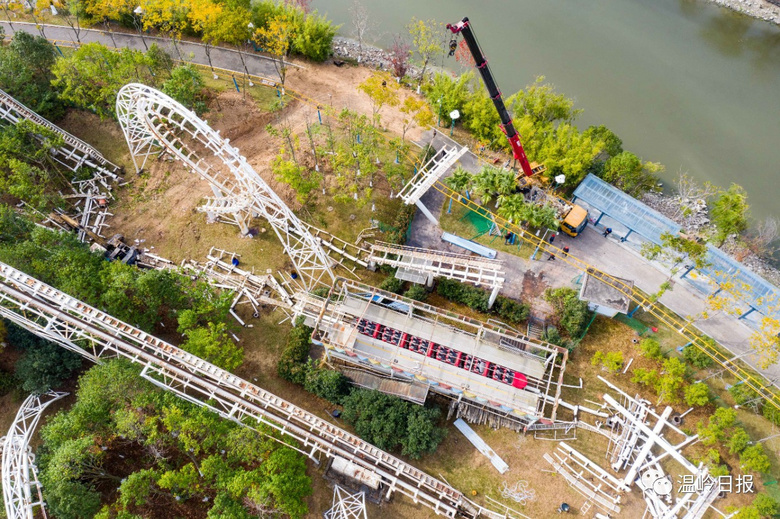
{"points": [[625, 208]]}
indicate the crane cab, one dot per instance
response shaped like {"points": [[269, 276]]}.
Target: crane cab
{"points": [[575, 221]]}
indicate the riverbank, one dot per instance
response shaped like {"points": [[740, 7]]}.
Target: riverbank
{"points": [[761, 9]]}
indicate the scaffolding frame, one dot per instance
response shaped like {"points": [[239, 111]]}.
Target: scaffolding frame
{"points": [[152, 123], [21, 488]]}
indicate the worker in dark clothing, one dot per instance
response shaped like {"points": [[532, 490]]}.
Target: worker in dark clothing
{"points": [[552, 237], [566, 251], [607, 231], [551, 258]]}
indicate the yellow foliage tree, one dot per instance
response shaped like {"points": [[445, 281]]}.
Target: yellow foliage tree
{"points": [[276, 39], [204, 17], [416, 113], [167, 16], [382, 90], [766, 341]]}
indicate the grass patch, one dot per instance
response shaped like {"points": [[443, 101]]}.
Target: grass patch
{"points": [[456, 222]]}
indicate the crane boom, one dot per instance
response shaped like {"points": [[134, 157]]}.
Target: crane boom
{"points": [[464, 27]]}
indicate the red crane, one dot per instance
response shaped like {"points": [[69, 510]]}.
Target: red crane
{"points": [[464, 27]]}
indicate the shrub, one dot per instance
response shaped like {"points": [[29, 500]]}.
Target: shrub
{"points": [[326, 383], [446, 94], [697, 394], [510, 310], [754, 459], [392, 284], [389, 422], [721, 421], [696, 357], [738, 440], [651, 348], [572, 312], [292, 364], [417, 292], [187, 87], [314, 37], [766, 505], [612, 361], [401, 224]]}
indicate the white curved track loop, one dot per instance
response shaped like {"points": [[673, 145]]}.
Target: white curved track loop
{"points": [[21, 489], [153, 122]]}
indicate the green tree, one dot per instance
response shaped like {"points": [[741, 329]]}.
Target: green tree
{"points": [[417, 292], [480, 117], [305, 182], [627, 172], [542, 104], [326, 383], [91, 76], [612, 361], [25, 73], [671, 381], [738, 440], [766, 505], [572, 313], [292, 363], [613, 145], [754, 459], [721, 421], [213, 344], [426, 42], [729, 213], [696, 357], [314, 37], [563, 150], [446, 94], [513, 208], [697, 394], [651, 348], [45, 367], [187, 87], [460, 180]]}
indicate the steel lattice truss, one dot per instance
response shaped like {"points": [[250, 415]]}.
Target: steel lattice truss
{"points": [[153, 122], [21, 489], [346, 505], [56, 316]]}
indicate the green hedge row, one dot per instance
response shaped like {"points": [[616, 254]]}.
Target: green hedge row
{"points": [[475, 298]]}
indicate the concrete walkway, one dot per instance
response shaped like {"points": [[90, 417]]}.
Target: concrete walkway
{"points": [[607, 255], [222, 57]]}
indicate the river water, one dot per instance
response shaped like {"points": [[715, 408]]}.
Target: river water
{"points": [[682, 82]]}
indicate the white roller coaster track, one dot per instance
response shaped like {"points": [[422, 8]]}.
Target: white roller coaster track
{"points": [[56, 316], [153, 122], [21, 489]]}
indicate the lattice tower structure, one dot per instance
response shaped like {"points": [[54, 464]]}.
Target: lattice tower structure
{"points": [[21, 488], [152, 123], [346, 505], [78, 327]]}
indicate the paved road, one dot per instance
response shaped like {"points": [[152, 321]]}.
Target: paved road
{"points": [[256, 64], [607, 255]]}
